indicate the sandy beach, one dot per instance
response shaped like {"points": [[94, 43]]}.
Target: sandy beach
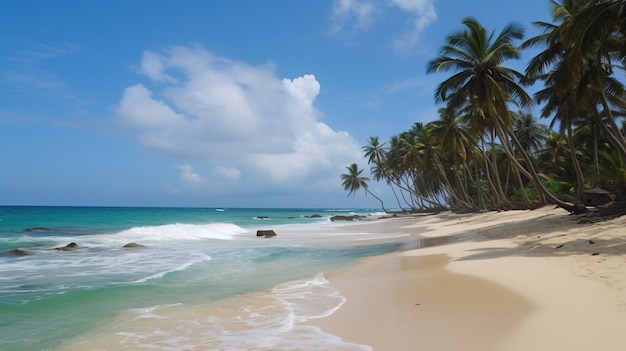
{"points": [[517, 280]]}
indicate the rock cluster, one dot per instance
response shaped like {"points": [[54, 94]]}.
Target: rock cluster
{"points": [[346, 218]]}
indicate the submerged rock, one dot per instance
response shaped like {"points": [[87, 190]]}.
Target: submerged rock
{"points": [[266, 233], [346, 218], [68, 247], [37, 229], [133, 245], [18, 252]]}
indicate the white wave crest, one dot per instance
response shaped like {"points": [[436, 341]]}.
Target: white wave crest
{"points": [[175, 269], [180, 231]]}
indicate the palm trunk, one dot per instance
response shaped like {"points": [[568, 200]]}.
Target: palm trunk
{"points": [[580, 180], [488, 169], [522, 188], [616, 138], [531, 173], [382, 205]]}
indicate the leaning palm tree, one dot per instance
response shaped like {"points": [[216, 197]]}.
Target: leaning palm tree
{"points": [[353, 182], [483, 82], [455, 144], [376, 155], [583, 45], [576, 66]]}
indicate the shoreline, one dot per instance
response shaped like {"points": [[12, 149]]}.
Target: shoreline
{"points": [[516, 280]]}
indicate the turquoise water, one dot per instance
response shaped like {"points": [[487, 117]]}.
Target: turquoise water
{"points": [[197, 268]]}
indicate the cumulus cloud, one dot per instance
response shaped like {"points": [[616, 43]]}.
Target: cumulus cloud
{"points": [[187, 175], [244, 122]]}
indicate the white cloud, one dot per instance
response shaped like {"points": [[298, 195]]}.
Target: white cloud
{"points": [[304, 88], [423, 12], [153, 66], [232, 174], [246, 124], [352, 15], [187, 175]]}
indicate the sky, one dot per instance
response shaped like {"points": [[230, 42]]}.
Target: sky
{"points": [[240, 103]]}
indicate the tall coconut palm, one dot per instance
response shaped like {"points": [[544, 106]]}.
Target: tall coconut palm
{"points": [[353, 182], [455, 144], [553, 158], [484, 83], [531, 136], [530, 133], [583, 44], [578, 81], [376, 154], [405, 166]]}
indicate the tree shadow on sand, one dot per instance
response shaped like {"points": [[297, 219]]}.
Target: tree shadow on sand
{"points": [[553, 236]]}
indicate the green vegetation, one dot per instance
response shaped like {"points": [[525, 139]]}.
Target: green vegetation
{"points": [[487, 150]]}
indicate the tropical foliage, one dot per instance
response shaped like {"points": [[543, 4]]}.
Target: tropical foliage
{"points": [[487, 150]]}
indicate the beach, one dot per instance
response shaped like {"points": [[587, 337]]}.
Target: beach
{"points": [[516, 280], [512, 280]]}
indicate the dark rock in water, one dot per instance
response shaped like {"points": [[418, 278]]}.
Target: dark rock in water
{"points": [[132, 245], [37, 229], [315, 215], [346, 218], [261, 217], [68, 247], [18, 252], [266, 233]]}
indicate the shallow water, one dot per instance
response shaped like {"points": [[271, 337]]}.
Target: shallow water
{"points": [[203, 280]]}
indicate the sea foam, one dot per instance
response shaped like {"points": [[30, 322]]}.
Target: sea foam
{"points": [[180, 231], [270, 320]]}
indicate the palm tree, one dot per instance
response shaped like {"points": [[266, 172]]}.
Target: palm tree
{"points": [[353, 181], [489, 87], [530, 133], [375, 152], [590, 36], [553, 158], [455, 144], [531, 136], [613, 171], [576, 67]]}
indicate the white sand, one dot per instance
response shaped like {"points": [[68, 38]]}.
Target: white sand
{"points": [[517, 280]]}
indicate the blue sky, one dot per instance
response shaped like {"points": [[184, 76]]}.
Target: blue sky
{"points": [[215, 103]]}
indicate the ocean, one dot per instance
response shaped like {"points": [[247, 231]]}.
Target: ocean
{"points": [[201, 279]]}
